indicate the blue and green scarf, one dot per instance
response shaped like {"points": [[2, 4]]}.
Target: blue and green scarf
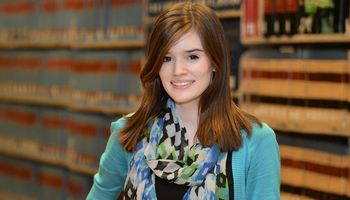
{"points": [[166, 154]]}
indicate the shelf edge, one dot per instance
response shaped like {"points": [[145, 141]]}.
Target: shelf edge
{"points": [[37, 157]]}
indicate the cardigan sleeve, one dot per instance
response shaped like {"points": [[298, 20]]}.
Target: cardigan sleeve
{"points": [[263, 165], [111, 175]]}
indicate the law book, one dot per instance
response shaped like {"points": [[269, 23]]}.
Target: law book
{"points": [[346, 162], [332, 144], [114, 27], [323, 174], [278, 23], [133, 22], [308, 12], [250, 18], [82, 148], [324, 18], [52, 182], [79, 186], [347, 122], [57, 71], [341, 13], [269, 18], [5, 133], [266, 83], [297, 91], [326, 69], [52, 133], [89, 20], [3, 19], [100, 20], [6, 71], [292, 172], [228, 5], [291, 17], [18, 179], [47, 20]]}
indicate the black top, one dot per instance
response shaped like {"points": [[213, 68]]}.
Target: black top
{"points": [[173, 191]]}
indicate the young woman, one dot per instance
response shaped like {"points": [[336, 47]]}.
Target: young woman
{"points": [[188, 140]]}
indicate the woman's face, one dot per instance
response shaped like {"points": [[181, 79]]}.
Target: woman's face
{"points": [[186, 71]]}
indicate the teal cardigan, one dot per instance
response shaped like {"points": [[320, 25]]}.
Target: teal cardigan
{"points": [[255, 166]]}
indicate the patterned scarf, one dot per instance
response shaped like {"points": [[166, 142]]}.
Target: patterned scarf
{"points": [[166, 154]]}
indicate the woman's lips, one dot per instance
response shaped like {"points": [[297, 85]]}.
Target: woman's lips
{"points": [[182, 83]]}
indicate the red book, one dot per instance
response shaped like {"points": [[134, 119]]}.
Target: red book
{"points": [[291, 21], [279, 20], [250, 18]]}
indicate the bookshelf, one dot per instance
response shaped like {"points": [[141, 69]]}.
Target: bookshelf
{"points": [[339, 38], [75, 53], [34, 100], [47, 159], [282, 85], [307, 128], [127, 44], [66, 104]]}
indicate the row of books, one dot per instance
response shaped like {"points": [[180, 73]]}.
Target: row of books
{"points": [[27, 180], [289, 17], [322, 175], [302, 90], [156, 7], [314, 165], [108, 78], [75, 138], [71, 20], [291, 196]]}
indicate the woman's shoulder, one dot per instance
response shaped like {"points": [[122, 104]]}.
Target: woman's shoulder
{"points": [[259, 131], [262, 131], [262, 136]]}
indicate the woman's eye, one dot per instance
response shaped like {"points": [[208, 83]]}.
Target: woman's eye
{"points": [[192, 57], [166, 59]]}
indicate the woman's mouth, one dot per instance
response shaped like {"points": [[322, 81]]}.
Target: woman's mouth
{"points": [[182, 83]]}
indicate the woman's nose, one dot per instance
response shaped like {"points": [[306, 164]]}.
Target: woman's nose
{"points": [[179, 68]]}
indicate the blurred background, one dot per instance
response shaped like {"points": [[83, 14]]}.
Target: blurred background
{"points": [[68, 68]]}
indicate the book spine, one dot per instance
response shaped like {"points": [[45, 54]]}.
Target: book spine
{"points": [[269, 18], [278, 25], [250, 23], [291, 21]]}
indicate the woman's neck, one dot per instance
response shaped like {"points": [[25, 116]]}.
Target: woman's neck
{"points": [[189, 116]]}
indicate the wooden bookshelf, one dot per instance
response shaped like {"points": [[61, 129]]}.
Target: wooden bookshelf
{"points": [[298, 39], [307, 128], [232, 13], [290, 196], [9, 195], [34, 100], [107, 110], [47, 159], [33, 45], [125, 44]]}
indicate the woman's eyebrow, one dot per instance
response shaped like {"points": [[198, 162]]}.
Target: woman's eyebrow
{"points": [[188, 51], [192, 50]]}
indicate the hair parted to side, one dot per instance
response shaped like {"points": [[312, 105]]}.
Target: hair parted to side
{"points": [[220, 120]]}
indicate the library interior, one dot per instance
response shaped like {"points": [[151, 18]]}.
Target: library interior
{"points": [[69, 68]]}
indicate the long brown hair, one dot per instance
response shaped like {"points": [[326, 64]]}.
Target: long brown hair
{"points": [[220, 120]]}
